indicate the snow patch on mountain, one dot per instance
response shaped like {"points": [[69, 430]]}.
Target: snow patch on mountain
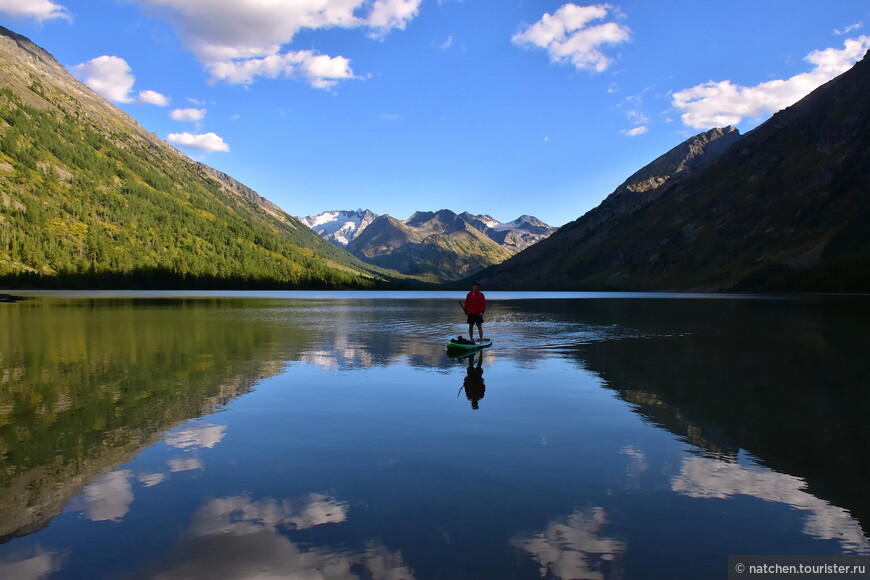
{"points": [[524, 223], [339, 226], [343, 226]]}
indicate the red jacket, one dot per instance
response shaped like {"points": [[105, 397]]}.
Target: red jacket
{"points": [[475, 303]]}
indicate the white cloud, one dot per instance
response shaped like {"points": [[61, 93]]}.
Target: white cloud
{"points": [[153, 98], [387, 15], [717, 104], [112, 78], [849, 29], [637, 116], [319, 70], [200, 142], [109, 76], [240, 40], [187, 115], [569, 37], [37, 9], [633, 106], [640, 130]]}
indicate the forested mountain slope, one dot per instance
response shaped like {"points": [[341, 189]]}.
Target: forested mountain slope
{"points": [[88, 198]]}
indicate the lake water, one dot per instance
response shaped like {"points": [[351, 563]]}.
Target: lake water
{"points": [[329, 435]]}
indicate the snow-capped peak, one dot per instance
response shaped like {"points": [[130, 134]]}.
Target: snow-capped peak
{"points": [[524, 222], [340, 226]]}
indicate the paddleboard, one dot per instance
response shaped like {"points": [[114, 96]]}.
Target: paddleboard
{"points": [[457, 346]]}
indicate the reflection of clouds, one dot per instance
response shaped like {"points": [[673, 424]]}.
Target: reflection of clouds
{"points": [[188, 438], [206, 436], [236, 537], [109, 496], [241, 515], [341, 355], [573, 549], [190, 464], [638, 463], [151, 479], [39, 564], [703, 477]]}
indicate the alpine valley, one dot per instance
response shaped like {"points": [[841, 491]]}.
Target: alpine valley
{"points": [[89, 198], [436, 246]]}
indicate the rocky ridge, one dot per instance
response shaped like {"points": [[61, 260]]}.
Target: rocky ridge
{"points": [[781, 208], [439, 246]]}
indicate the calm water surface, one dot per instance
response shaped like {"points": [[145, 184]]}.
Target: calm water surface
{"points": [[329, 435]]}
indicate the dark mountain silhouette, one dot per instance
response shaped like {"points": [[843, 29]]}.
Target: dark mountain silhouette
{"points": [[784, 208]]}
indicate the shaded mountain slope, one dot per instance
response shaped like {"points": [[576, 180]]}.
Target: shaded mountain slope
{"points": [[784, 208]]}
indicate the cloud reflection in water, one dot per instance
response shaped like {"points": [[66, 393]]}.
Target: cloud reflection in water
{"points": [[109, 497], [237, 537], [38, 563], [573, 548], [198, 437], [703, 477]]}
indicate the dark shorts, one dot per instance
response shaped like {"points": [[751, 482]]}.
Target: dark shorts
{"points": [[475, 319]]}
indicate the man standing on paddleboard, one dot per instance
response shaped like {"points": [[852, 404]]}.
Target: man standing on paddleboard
{"points": [[475, 306]]}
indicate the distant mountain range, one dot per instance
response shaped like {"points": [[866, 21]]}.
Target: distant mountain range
{"points": [[435, 246], [784, 208]]}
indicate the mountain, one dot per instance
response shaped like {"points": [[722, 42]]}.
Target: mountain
{"points": [[784, 208], [435, 246], [88, 198], [339, 227], [691, 155], [438, 246], [517, 235]]}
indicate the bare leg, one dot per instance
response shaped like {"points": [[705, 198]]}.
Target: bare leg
{"points": [[471, 332], [480, 330]]}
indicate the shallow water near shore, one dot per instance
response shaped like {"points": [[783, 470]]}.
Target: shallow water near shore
{"points": [[329, 435]]}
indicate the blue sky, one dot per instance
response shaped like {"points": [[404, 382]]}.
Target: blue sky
{"points": [[499, 107]]}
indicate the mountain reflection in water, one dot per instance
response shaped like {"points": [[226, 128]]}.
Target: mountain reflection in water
{"points": [[601, 436]]}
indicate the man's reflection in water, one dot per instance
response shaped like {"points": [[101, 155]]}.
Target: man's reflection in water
{"points": [[473, 383]]}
